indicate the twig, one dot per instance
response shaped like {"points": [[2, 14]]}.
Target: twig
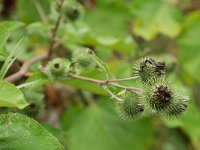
{"points": [[132, 89], [123, 79], [54, 32], [102, 81], [111, 94], [108, 82], [24, 69]]}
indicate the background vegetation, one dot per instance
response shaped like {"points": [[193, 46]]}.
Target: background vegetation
{"points": [[78, 113]]}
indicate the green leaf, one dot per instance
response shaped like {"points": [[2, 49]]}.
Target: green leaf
{"points": [[58, 133], [189, 45], [3, 55], [6, 27], [108, 18], [189, 123], [82, 34], [154, 17], [9, 61], [4, 34], [28, 10], [40, 79], [10, 96], [11, 25], [20, 132], [100, 128], [68, 117], [100, 64]]}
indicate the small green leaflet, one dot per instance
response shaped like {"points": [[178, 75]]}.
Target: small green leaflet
{"points": [[100, 64], [10, 96]]}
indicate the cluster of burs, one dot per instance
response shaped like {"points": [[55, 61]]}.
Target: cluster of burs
{"points": [[159, 96], [60, 68]]}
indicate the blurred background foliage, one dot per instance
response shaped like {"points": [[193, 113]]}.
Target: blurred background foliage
{"points": [[120, 32]]}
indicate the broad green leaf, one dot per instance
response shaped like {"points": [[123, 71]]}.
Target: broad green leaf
{"points": [[38, 77], [20, 132], [4, 34], [189, 45], [3, 55], [28, 9], [189, 123], [37, 33], [190, 120], [58, 133], [6, 27], [9, 60], [154, 17], [11, 25], [34, 94], [81, 33], [70, 115], [10, 96], [100, 128], [108, 18]]}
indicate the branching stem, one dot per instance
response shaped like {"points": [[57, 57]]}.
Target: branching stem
{"points": [[54, 32], [109, 82], [111, 94], [24, 69]]}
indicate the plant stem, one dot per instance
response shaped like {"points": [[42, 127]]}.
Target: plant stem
{"points": [[24, 69], [111, 94], [109, 82], [54, 32], [123, 79]]}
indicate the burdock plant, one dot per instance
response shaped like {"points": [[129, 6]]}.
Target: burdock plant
{"points": [[157, 95]]}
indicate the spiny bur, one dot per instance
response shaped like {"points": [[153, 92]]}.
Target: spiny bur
{"points": [[178, 107], [81, 59], [58, 69], [148, 68], [72, 13], [165, 98], [131, 107], [73, 10]]}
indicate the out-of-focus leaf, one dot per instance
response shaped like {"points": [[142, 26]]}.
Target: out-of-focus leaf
{"points": [[11, 25], [40, 77], [3, 55], [9, 60], [190, 120], [100, 64], [82, 34], [119, 68], [58, 133], [27, 11], [189, 44], [108, 18], [4, 34], [102, 129], [69, 116], [10, 96], [37, 33], [20, 132], [154, 17], [6, 27], [34, 93]]}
